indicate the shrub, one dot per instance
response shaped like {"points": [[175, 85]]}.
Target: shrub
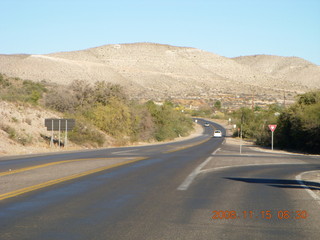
{"points": [[86, 134], [169, 123], [22, 91], [298, 127], [62, 100], [113, 118]]}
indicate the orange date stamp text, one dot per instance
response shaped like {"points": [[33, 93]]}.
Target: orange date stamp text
{"points": [[263, 214]]}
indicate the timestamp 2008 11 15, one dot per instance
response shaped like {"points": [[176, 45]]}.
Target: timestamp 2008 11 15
{"points": [[263, 214]]}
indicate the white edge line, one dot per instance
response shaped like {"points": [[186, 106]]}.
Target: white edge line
{"points": [[186, 183], [311, 193], [248, 165]]}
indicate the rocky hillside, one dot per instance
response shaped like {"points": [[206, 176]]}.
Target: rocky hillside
{"points": [[158, 71], [292, 69]]}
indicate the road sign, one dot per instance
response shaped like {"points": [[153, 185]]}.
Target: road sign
{"points": [[56, 124], [272, 127]]}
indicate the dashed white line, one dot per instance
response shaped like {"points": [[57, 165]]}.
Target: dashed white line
{"points": [[186, 183]]}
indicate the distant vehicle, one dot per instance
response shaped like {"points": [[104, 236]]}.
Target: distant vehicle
{"points": [[217, 133], [206, 124]]}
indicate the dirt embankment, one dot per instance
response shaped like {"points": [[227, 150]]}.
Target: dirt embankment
{"points": [[21, 127]]}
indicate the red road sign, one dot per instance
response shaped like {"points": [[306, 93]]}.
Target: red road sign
{"points": [[272, 127]]}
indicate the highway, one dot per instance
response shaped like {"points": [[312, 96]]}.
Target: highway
{"points": [[201, 188]]}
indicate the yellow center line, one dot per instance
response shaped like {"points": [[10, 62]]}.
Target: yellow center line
{"points": [[63, 179], [49, 164]]}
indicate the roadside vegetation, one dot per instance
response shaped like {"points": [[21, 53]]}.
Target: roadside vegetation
{"points": [[298, 126], [107, 107], [18, 90], [100, 109], [211, 110]]}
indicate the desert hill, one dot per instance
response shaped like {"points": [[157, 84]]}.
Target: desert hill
{"points": [[157, 71], [287, 68]]}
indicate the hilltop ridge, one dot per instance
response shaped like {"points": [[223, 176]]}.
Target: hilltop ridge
{"points": [[158, 71]]}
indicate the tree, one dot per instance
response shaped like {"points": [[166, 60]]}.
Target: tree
{"points": [[299, 126], [217, 105]]}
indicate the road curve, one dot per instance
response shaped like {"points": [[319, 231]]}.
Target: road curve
{"points": [[142, 200]]}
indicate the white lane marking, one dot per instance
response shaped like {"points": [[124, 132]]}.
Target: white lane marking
{"points": [[247, 165], [124, 152], [186, 183], [301, 182]]}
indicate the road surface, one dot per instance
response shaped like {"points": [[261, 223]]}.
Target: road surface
{"points": [[201, 188]]}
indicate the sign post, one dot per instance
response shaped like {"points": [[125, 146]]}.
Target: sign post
{"points": [[51, 142], [272, 129], [54, 124]]}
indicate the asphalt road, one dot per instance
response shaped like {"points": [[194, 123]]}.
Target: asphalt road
{"points": [[196, 189]]}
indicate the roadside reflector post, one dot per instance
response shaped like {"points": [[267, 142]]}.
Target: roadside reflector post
{"points": [[272, 129]]}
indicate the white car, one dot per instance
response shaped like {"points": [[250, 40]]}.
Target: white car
{"points": [[206, 124], [217, 133]]}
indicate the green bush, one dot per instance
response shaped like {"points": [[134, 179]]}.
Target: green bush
{"points": [[298, 127], [202, 112], [255, 123], [169, 123], [142, 124], [85, 134], [23, 91], [113, 118], [104, 106], [4, 83]]}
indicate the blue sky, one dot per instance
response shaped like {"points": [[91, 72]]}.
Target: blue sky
{"points": [[229, 28]]}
